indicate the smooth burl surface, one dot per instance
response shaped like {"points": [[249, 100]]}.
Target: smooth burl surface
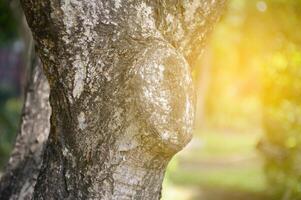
{"points": [[120, 90]]}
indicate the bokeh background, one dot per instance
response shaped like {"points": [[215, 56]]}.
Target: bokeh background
{"points": [[247, 142]]}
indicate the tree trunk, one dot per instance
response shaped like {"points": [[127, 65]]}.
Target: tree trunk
{"points": [[24, 164], [120, 91], [23, 167]]}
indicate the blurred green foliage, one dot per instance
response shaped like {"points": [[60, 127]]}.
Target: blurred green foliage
{"points": [[9, 117], [10, 102], [281, 99], [254, 84], [8, 24]]}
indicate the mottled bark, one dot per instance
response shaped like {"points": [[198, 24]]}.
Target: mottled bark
{"points": [[23, 167], [24, 164], [120, 90]]}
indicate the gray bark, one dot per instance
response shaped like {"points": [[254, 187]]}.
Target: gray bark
{"points": [[24, 164], [120, 91], [23, 167]]}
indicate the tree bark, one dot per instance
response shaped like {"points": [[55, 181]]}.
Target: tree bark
{"points": [[23, 167], [120, 91], [24, 164]]}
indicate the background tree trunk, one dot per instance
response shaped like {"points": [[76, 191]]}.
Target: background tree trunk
{"points": [[25, 161], [120, 91], [24, 164]]}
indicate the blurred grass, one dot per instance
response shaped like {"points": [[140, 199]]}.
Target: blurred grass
{"points": [[244, 179], [220, 143], [218, 160]]}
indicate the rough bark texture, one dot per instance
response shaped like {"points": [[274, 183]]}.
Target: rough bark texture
{"points": [[24, 164], [120, 90], [23, 167]]}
